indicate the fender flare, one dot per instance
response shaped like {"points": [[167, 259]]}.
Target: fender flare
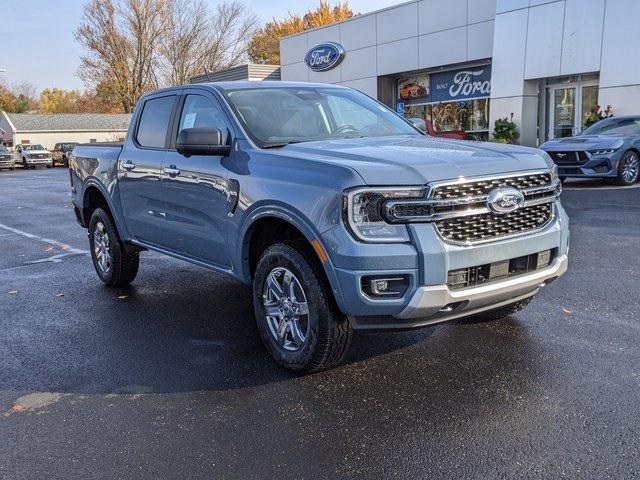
{"points": [[93, 182], [297, 220]]}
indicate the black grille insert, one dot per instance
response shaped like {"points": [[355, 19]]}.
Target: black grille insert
{"points": [[491, 272]]}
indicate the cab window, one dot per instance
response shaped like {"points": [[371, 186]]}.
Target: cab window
{"points": [[203, 112], [154, 122]]}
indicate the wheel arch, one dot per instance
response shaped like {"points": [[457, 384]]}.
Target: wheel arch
{"points": [[269, 225]]}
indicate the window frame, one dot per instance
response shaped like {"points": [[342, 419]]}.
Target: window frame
{"points": [[202, 92], [176, 96]]}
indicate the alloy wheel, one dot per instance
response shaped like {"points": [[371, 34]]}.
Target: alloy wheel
{"points": [[631, 168], [286, 309], [101, 248]]}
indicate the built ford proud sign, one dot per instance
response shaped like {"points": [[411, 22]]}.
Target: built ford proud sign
{"points": [[324, 57], [460, 84]]}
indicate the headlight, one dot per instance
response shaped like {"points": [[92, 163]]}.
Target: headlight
{"points": [[363, 213], [554, 172], [603, 151]]}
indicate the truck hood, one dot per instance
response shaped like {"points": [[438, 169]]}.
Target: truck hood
{"points": [[416, 160], [583, 143]]}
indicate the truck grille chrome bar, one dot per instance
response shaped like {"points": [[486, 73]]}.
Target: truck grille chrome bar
{"points": [[461, 212]]}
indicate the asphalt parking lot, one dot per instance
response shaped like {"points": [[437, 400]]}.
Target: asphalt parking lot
{"points": [[168, 379]]}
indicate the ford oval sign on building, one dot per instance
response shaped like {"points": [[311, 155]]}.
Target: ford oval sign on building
{"points": [[324, 57]]}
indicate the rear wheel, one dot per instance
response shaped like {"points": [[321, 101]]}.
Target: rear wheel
{"points": [[113, 264], [628, 169], [297, 318]]}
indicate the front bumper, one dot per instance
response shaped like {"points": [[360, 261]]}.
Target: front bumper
{"points": [[595, 167], [426, 262], [430, 301], [38, 161]]}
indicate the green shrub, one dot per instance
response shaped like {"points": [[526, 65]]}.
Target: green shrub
{"points": [[505, 130]]}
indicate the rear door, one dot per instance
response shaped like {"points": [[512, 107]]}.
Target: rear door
{"points": [[140, 170], [196, 187]]}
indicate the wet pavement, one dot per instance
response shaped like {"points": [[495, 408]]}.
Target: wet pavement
{"points": [[168, 379]]}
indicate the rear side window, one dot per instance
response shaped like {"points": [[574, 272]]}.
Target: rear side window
{"points": [[154, 122]]}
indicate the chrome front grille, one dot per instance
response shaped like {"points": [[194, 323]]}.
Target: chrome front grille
{"points": [[483, 187], [461, 212], [487, 226]]}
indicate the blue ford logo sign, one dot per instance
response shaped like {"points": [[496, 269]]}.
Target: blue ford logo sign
{"points": [[324, 56], [505, 200]]}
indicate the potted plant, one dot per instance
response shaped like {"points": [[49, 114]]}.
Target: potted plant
{"points": [[505, 130], [597, 114]]}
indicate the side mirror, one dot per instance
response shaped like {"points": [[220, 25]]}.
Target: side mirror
{"points": [[419, 123], [201, 141]]}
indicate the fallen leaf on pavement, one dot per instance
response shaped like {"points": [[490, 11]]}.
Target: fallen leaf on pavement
{"points": [[18, 408], [565, 310], [60, 295], [49, 248], [13, 292], [123, 297], [65, 247]]}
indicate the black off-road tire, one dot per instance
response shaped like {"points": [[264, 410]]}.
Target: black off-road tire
{"points": [[499, 313], [329, 332], [124, 265]]}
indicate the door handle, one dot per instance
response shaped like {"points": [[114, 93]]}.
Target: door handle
{"points": [[128, 165], [172, 171]]}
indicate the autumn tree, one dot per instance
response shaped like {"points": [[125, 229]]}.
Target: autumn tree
{"points": [[18, 98], [56, 100], [122, 42], [199, 41], [264, 46]]}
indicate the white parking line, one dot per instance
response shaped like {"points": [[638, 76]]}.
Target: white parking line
{"points": [[67, 248]]}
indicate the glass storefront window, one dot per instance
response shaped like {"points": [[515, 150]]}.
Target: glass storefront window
{"points": [[468, 116], [589, 101]]}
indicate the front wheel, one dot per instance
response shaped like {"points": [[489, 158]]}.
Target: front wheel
{"points": [[628, 169], [113, 264], [297, 318]]}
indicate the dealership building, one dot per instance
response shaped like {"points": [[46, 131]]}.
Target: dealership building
{"points": [[462, 64]]}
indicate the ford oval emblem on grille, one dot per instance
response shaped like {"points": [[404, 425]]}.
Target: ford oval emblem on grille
{"points": [[505, 200], [324, 56]]}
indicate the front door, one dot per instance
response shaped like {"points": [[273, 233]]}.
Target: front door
{"points": [[563, 112], [568, 106], [140, 171], [195, 188]]}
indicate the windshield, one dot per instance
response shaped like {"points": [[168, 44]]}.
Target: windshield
{"points": [[67, 146], [613, 126], [278, 116], [32, 147], [3, 148]]}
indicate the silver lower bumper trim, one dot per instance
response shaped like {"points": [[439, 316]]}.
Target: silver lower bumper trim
{"points": [[430, 301]]}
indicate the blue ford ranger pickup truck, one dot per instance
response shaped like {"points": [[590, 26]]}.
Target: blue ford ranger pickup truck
{"points": [[340, 213]]}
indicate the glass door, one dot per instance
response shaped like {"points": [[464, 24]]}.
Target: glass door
{"points": [[569, 101], [563, 112]]}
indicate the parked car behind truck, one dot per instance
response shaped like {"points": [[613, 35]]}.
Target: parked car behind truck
{"points": [[32, 155], [609, 149], [61, 153], [6, 158], [338, 212]]}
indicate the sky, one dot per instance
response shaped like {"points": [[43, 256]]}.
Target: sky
{"points": [[37, 42]]}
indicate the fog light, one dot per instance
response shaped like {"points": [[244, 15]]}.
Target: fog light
{"points": [[380, 286], [385, 286]]}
